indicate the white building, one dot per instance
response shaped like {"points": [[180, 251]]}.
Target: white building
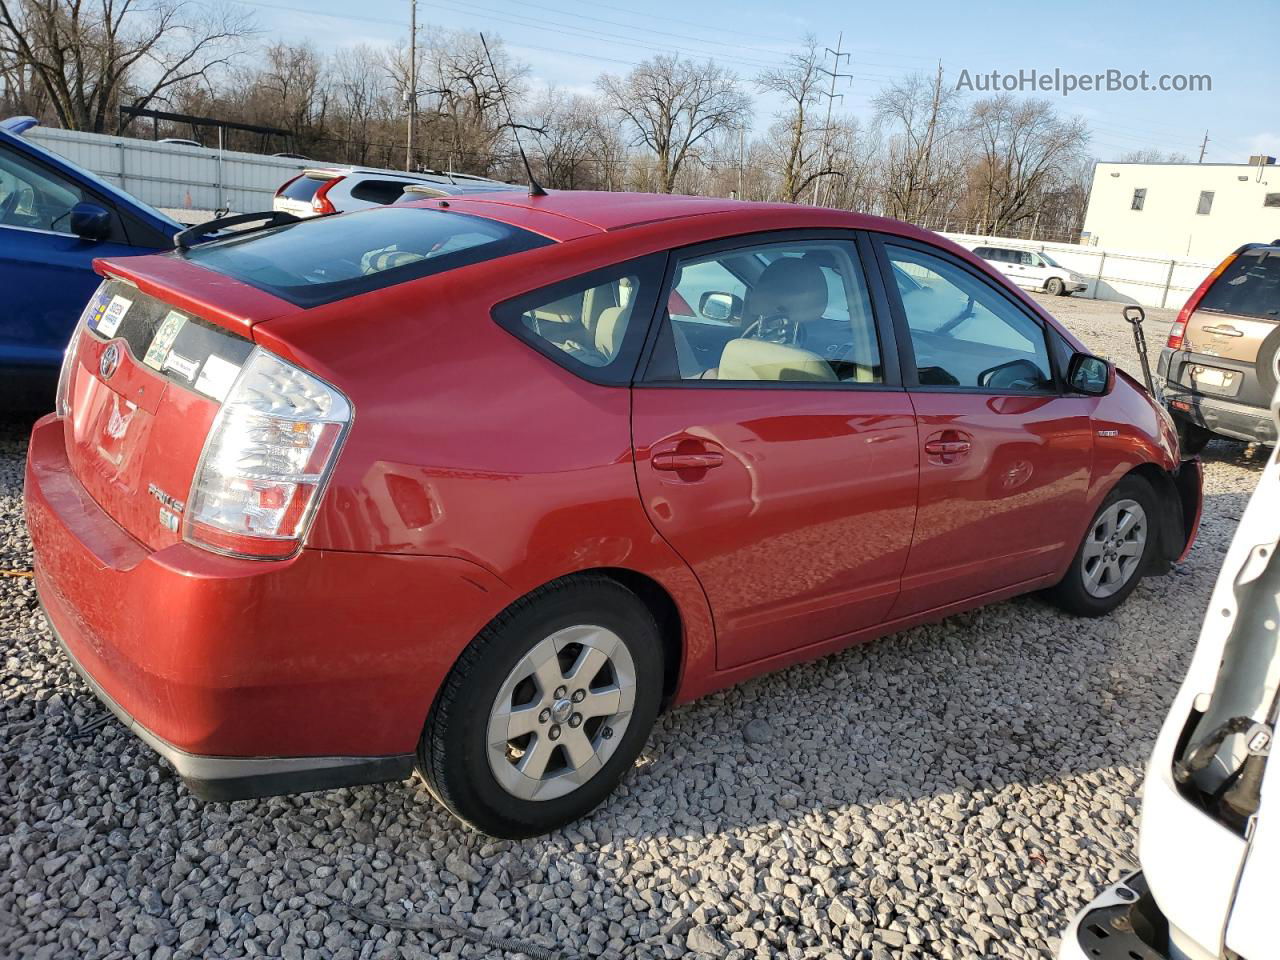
{"points": [[1199, 210]]}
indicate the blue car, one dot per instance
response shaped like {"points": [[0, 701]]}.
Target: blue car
{"points": [[55, 218]]}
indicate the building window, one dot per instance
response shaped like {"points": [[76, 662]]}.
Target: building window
{"points": [[1206, 202], [1139, 198], [1271, 200]]}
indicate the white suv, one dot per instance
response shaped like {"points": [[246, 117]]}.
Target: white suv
{"points": [[1036, 271], [339, 189]]}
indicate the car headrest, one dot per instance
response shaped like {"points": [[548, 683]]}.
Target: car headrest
{"points": [[745, 359], [789, 287]]}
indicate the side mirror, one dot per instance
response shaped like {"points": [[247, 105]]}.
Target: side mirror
{"points": [[724, 307], [90, 221], [1090, 375]]}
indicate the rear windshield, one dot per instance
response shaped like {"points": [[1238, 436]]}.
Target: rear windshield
{"points": [[324, 259], [1250, 287], [303, 188]]}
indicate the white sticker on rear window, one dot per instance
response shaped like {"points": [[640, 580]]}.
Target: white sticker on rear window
{"points": [[180, 364], [217, 376], [109, 319], [163, 340]]}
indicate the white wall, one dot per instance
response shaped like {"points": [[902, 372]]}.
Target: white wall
{"points": [[1124, 276], [174, 176], [1168, 223]]}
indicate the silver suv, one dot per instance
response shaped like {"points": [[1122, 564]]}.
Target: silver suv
{"points": [[340, 189]]}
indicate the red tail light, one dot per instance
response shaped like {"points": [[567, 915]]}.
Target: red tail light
{"points": [[1178, 332], [320, 202], [285, 186]]}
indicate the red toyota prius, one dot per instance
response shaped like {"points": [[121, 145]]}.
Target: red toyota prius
{"points": [[476, 486]]}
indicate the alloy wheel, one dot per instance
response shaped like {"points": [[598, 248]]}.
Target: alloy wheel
{"points": [[561, 712], [1114, 548]]}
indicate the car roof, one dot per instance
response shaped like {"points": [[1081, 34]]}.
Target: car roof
{"points": [[606, 211]]}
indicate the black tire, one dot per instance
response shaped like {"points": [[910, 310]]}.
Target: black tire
{"points": [[1055, 287], [1268, 363], [1192, 438], [453, 755], [1070, 593]]}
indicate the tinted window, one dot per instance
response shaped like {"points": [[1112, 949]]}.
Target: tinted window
{"points": [[776, 312], [592, 325], [964, 333], [378, 191], [1250, 287], [1139, 199], [328, 258], [31, 196], [1206, 202], [303, 188]]}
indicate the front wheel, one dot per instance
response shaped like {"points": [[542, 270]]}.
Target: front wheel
{"points": [[1115, 552], [546, 710], [1055, 287]]}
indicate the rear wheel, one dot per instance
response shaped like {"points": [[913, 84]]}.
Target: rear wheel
{"points": [[546, 710], [1055, 287], [1116, 551]]}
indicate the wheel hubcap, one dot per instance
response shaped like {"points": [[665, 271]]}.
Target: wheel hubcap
{"points": [[1114, 548], [561, 712]]}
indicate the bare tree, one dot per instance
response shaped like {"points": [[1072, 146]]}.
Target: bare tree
{"points": [[1022, 149], [799, 140], [922, 117], [1152, 155], [90, 57], [575, 140], [672, 105]]}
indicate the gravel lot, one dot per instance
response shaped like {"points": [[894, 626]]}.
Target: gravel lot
{"points": [[958, 790]]}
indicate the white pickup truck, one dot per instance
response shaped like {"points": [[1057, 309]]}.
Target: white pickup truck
{"points": [[1209, 840]]}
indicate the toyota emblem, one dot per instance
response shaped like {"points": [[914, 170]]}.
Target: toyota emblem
{"points": [[109, 362]]}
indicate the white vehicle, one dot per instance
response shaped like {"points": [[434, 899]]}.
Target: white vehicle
{"points": [[1209, 840], [339, 189], [1035, 271]]}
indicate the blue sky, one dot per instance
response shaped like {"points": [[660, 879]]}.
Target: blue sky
{"points": [[568, 44]]}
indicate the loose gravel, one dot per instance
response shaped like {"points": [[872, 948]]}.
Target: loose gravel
{"points": [[956, 790]]}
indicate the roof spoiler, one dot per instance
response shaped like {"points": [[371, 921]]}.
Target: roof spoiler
{"points": [[271, 218], [18, 125]]}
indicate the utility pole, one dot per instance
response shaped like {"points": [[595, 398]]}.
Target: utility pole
{"points": [[742, 158], [412, 95], [831, 98], [1203, 143], [928, 140]]}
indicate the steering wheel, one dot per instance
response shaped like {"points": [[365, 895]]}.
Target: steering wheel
{"points": [[778, 328], [7, 205]]}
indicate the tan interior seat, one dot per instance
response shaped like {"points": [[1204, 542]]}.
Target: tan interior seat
{"points": [[378, 260], [611, 327], [761, 360]]}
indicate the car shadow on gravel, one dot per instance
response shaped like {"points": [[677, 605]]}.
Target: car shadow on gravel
{"points": [[955, 789]]}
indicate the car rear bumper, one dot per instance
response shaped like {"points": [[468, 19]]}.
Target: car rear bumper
{"points": [[1243, 421], [251, 677]]}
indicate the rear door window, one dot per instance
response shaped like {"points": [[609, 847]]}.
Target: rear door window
{"points": [[1250, 287], [378, 191], [324, 259]]}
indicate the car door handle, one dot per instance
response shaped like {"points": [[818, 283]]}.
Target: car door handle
{"points": [[943, 448], [1223, 330], [671, 460]]}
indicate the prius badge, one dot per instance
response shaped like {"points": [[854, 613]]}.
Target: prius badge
{"points": [[109, 362]]}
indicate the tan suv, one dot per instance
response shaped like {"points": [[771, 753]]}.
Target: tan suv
{"points": [[1222, 361]]}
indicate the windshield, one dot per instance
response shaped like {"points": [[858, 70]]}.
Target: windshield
{"points": [[128, 199], [1049, 260], [1250, 287], [324, 259]]}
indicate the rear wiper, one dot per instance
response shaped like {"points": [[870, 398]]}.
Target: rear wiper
{"points": [[272, 218]]}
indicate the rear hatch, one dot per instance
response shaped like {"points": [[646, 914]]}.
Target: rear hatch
{"points": [[165, 338], [145, 382], [1233, 336]]}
